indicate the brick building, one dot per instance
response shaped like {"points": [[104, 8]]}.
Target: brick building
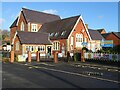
{"points": [[115, 36], [48, 33]]}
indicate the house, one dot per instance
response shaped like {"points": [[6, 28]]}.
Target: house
{"points": [[95, 43], [30, 21], [67, 34], [37, 31], [31, 41], [115, 36]]}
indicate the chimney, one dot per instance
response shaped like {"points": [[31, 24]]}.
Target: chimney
{"points": [[86, 26]]}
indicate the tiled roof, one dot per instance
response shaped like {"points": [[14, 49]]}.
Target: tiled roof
{"points": [[105, 35], [33, 38], [115, 33], [14, 23], [100, 30], [36, 17], [59, 29], [95, 35]]}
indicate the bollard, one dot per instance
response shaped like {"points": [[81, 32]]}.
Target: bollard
{"points": [[12, 56], [29, 56], [38, 56], [82, 56], [55, 57]]}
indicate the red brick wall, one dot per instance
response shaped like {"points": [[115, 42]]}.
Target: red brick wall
{"points": [[20, 47], [78, 29], [62, 41], [115, 39], [12, 33], [21, 19]]}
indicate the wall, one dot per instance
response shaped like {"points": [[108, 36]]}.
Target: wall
{"points": [[78, 29], [115, 39], [20, 46]]}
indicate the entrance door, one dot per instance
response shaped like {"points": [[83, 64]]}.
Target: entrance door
{"points": [[49, 50]]}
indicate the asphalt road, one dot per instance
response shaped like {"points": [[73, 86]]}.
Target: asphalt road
{"points": [[60, 75]]}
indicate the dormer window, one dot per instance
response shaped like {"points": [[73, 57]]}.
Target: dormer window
{"points": [[34, 28], [56, 34], [63, 33], [22, 26], [51, 34]]}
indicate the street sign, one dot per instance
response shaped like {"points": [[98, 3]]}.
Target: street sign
{"points": [[106, 43]]}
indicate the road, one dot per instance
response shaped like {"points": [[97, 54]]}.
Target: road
{"points": [[60, 75]]}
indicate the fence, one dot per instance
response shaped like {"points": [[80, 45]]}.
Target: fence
{"points": [[102, 56]]}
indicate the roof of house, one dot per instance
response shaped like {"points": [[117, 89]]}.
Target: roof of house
{"points": [[14, 23], [59, 29], [115, 33], [36, 17], [95, 35], [33, 38], [100, 30]]}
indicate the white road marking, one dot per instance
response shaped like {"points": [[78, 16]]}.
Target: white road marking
{"points": [[72, 73]]}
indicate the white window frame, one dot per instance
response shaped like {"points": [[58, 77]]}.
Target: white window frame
{"points": [[22, 27], [79, 39], [33, 27], [17, 46], [41, 48], [56, 45]]}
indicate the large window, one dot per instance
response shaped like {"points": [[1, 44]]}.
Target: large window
{"points": [[22, 26], [56, 45], [34, 28], [17, 46], [79, 40], [41, 48]]}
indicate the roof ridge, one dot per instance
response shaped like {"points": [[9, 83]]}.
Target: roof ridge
{"points": [[63, 19], [39, 12]]}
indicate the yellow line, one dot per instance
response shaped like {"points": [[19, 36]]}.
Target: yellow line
{"points": [[73, 73]]}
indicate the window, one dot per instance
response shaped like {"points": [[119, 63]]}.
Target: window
{"points": [[79, 38], [56, 34], [63, 33], [51, 34], [27, 48], [32, 49], [22, 26], [41, 48], [17, 46], [34, 28], [85, 39], [71, 40], [56, 45]]}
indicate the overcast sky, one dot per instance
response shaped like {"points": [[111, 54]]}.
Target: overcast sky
{"points": [[95, 14]]}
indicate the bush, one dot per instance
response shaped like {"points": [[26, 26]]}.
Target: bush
{"points": [[77, 56], [84, 48]]}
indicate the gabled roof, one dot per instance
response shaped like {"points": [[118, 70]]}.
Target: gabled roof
{"points": [[95, 35], [36, 17], [58, 27], [115, 33], [105, 35], [100, 30], [14, 23], [33, 38]]}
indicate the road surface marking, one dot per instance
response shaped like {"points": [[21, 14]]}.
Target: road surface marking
{"points": [[72, 73]]}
